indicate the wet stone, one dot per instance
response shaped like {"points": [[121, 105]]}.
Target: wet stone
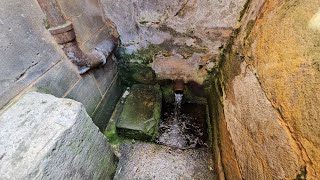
{"points": [[140, 116], [184, 128]]}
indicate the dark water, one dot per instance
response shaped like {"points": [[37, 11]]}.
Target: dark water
{"points": [[184, 125]]}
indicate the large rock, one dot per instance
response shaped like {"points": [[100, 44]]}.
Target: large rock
{"points": [[44, 137], [140, 116]]}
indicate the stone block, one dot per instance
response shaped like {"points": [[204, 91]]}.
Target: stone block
{"points": [[141, 112], [103, 113], [86, 91], [26, 47], [44, 137], [105, 74], [58, 80]]}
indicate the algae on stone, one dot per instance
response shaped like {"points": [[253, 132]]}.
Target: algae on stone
{"points": [[140, 116]]}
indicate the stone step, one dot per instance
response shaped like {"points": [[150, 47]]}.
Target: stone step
{"points": [[141, 112]]}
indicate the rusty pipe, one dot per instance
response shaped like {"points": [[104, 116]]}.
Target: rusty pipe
{"points": [[52, 11], [64, 34], [179, 86]]}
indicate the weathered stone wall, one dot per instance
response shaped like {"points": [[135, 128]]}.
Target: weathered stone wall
{"points": [[270, 84], [178, 39], [91, 28], [31, 59], [44, 137]]}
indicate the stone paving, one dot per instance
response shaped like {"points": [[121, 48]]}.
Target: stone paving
{"points": [[151, 161]]}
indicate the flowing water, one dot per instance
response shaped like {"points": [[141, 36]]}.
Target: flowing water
{"points": [[183, 125]]}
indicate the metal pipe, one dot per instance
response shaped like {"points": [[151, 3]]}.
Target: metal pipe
{"points": [[179, 86], [64, 34], [52, 12]]}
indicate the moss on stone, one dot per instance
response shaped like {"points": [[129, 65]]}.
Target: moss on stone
{"points": [[302, 175], [111, 130], [249, 28], [244, 10], [188, 95], [167, 93], [135, 67], [141, 111]]}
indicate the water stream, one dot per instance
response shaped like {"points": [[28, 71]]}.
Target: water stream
{"points": [[183, 125]]}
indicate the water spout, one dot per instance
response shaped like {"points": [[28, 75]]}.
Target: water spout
{"points": [[179, 86]]}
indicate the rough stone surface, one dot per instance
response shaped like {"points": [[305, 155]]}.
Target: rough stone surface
{"points": [[138, 20], [263, 145], [176, 67], [185, 28], [271, 105], [44, 137], [151, 161], [224, 157], [141, 113], [286, 57]]}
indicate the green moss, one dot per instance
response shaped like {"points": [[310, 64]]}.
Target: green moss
{"points": [[167, 93], [210, 133], [112, 135], [135, 67], [249, 28], [111, 130], [141, 111], [302, 174], [142, 56], [157, 112], [45, 23], [244, 10]]}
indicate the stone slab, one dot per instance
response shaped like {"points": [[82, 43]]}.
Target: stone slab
{"points": [[141, 113], [86, 91], [103, 113], [44, 137], [26, 47], [59, 79], [105, 74]]}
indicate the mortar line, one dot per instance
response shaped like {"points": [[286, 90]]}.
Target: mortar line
{"points": [[27, 88]]}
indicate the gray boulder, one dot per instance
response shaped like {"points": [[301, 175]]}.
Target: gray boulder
{"points": [[44, 137]]}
